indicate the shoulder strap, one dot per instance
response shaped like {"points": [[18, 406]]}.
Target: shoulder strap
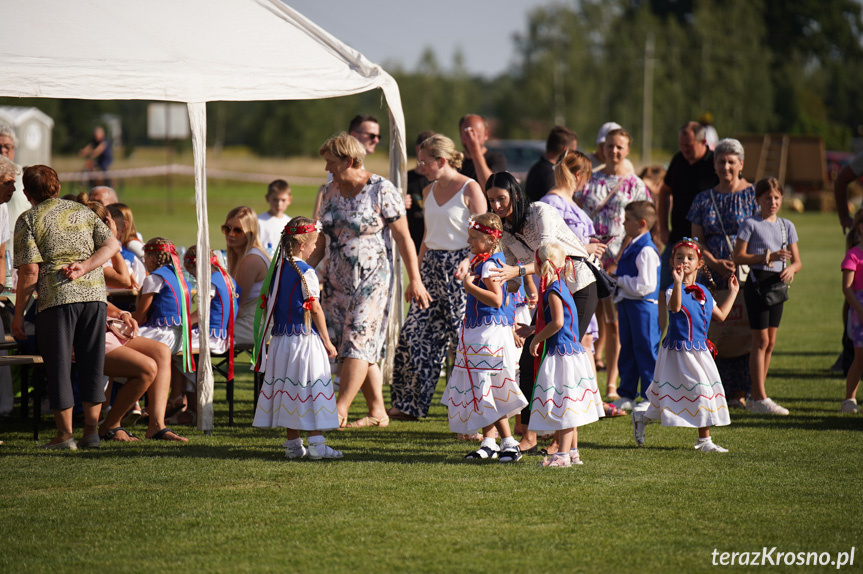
{"points": [[721, 224], [784, 239], [611, 194]]}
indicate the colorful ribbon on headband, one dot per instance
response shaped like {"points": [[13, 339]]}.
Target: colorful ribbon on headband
{"points": [[184, 303], [232, 296], [264, 311], [690, 242], [301, 229], [474, 224]]}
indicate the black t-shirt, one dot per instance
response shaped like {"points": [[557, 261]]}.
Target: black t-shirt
{"points": [[540, 179], [416, 223], [495, 160], [686, 181]]}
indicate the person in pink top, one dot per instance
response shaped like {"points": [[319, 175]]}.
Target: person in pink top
{"points": [[852, 287]]}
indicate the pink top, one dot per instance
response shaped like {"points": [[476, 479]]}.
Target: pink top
{"points": [[854, 262]]}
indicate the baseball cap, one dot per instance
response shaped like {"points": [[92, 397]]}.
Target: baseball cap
{"points": [[603, 131]]}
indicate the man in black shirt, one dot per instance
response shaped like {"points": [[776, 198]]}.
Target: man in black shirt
{"points": [[540, 178], [690, 172], [479, 162]]}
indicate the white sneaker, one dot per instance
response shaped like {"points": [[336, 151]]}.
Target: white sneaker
{"points": [[709, 446], [295, 449], [849, 407], [624, 404], [642, 406], [638, 426], [321, 450], [766, 407]]}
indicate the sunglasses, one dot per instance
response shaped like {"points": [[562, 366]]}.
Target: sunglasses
{"points": [[228, 230], [370, 135]]}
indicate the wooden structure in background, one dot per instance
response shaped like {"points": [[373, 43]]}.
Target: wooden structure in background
{"points": [[796, 161]]}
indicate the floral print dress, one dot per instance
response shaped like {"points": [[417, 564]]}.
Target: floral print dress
{"points": [[608, 218], [356, 295]]}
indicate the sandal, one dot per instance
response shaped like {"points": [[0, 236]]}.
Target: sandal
{"points": [[557, 461], [343, 422], [611, 393], [510, 455], [112, 433], [160, 435], [613, 411], [483, 453], [397, 415], [475, 437], [370, 421]]}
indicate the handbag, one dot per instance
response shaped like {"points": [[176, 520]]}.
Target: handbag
{"points": [[120, 329], [605, 283], [732, 337], [768, 284], [742, 271]]}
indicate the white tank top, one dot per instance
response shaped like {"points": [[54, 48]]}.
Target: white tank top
{"points": [[446, 225]]}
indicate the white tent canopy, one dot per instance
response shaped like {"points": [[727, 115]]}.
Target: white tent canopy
{"points": [[192, 51]]}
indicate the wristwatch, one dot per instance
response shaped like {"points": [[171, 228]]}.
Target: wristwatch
{"points": [[522, 271]]}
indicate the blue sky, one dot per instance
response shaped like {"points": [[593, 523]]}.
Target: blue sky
{"points": [[397, 31]]}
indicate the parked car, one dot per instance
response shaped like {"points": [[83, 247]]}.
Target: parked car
{"points": [[520, 154]]}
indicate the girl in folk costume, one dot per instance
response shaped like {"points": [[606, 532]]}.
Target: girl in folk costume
{"points": [[163, 305], [686, 390], [298, 386], [223, 313], [483, 390], [565, 395]]}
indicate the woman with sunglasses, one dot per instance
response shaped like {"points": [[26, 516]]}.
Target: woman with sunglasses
{"points": [[247, 264]]}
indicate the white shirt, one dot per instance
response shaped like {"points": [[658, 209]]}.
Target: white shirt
{"points": [[270, 229], [641, 285]]}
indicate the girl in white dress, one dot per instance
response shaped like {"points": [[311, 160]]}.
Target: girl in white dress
{"points": [[565, 395], [686, 390], [482, 391], [298, 386]]}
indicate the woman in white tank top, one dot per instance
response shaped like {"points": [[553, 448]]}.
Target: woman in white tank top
{"points": [[247, 264], [448, 203]]}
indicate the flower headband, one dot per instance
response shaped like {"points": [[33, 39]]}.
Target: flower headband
{"points": [[690, 242], [474, 224], [160, 248], [301, 229]]}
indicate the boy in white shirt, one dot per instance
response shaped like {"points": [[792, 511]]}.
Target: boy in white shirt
{"points": [[637, 298], [271, 223]]}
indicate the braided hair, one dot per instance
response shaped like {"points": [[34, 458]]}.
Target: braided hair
{"points": [[290, 244], [160, 258]]}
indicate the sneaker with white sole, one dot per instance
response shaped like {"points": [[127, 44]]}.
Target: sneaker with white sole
{"points": [[638, 426], [709, 446], [766, 407], [849, 407], [322, 450], [624, 404]]}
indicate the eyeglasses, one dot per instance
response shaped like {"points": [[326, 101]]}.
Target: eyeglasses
{"points": [[228, 230], [6, 147], [370, 135], [422, 164]]}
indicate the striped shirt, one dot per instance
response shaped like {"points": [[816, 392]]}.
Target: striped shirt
{"points": [[766, 235]]}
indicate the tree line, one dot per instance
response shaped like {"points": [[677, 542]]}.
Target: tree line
{"points": [[755, 65]]}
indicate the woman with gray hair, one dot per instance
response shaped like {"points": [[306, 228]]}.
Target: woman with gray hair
{"points": [[716, 214], [362, 214], [9, 173]]}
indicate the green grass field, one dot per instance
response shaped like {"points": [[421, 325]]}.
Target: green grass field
{"points": [[402, 499]]}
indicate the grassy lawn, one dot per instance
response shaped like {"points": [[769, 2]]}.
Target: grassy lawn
{"points": [[402, 498]]}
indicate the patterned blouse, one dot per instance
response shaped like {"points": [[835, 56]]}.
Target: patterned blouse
{"points": [[543, 224], [608, 218], [734, 208], [54, 234]]}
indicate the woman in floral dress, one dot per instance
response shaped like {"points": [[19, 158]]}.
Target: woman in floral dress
{"points": [[362, 214]]}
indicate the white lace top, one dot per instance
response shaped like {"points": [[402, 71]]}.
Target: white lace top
{"points": [[543, 224]]}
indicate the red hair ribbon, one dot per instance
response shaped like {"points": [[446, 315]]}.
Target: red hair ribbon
{"points": [[307, 304], [161, 248], [302, 229], [713, 350], [474, 224], [697, 292], [687, 242], [231, 306]]}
